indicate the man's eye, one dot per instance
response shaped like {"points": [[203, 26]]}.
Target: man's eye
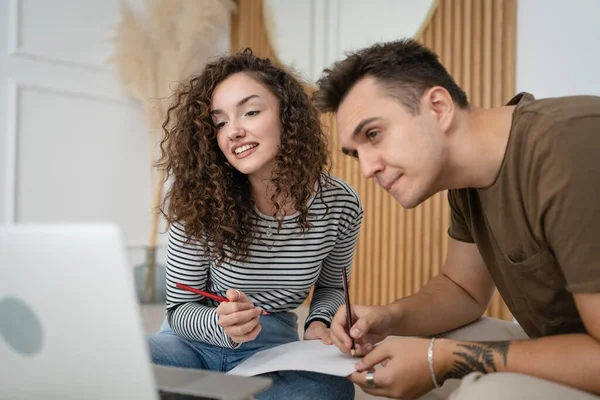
{"points": [[372, 134]]}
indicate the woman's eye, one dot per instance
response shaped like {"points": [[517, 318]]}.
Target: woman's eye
{"points": [[220, 125], [372, 134], [252, 113]]}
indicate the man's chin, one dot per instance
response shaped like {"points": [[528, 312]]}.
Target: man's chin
{"points": [[408, 205], [407, 202]]}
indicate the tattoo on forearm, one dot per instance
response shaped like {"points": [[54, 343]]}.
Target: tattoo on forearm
{"points": [[476, 357]]}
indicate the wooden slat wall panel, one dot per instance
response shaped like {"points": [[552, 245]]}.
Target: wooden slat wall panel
{"points": [[400, 250], [248, 29], [476, 41]]}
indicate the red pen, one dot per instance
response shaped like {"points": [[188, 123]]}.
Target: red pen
{"points": [[209, 295]]}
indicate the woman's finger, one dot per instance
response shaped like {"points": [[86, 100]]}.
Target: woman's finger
{"points": [[236, 295], [227, 308], [238, 318], [248, 336], [242, 329], [325, 335]]}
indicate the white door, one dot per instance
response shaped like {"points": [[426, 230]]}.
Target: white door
{"points": [[72, 147]]}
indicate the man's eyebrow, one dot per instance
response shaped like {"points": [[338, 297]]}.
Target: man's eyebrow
{"points": [[239, 103], [351, 153], [357, 130], [362, 124]]}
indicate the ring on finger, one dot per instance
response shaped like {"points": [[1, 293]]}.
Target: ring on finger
{"points": [[370, 378]]}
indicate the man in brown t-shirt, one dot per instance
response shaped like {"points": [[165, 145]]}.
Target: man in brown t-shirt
{"points": [[523, 184]]}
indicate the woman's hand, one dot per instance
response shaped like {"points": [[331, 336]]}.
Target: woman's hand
{"points": [[239, 318], [318, 330]]}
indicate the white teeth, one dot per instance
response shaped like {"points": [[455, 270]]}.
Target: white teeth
{"points": [[244, 148]]}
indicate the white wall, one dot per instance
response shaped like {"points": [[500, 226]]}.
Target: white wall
{"points": [[72, 147], [312, 34], [558, 47], [557, 40]]}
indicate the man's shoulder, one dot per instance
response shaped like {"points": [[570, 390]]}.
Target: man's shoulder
{"points": [[544, 128], [561, 109]]}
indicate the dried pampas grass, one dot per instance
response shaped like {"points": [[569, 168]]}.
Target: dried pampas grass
{"points": [[151, 52], [170, 42]]}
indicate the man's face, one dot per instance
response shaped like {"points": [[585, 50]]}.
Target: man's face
{"points": [[404, 153]]}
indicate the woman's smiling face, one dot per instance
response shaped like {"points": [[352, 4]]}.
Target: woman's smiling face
{"points": [[246, 115]]}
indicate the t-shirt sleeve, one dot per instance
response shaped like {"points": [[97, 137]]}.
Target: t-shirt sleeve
{"points": [[458, 226], [569, 198]]}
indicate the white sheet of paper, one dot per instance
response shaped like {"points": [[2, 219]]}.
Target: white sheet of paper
{"points": [[303, 355]]}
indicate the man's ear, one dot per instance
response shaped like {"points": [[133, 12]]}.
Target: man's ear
{"points": [[438, 100]]}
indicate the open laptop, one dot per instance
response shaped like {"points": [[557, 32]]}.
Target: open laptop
{"points": [[70, 326]]}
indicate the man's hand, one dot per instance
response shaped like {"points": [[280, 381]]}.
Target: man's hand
{"points": [[372, 324], [238, 317], [318, 330], [404, 373]]}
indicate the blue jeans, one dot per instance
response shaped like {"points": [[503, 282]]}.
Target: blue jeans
{"points": [[167, 348]]}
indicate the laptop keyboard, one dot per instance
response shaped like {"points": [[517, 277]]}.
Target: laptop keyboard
{"points": [[178, 396]]}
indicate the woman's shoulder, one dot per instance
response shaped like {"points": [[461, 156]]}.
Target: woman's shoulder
{"points": [[177, 232], [337, 190]]}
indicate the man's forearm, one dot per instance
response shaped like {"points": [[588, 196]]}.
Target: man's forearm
{"points": [[572, 360], [441, 305]]}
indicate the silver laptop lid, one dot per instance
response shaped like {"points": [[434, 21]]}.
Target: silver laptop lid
{"points": [[209, 385], [69, 321], [70, 326]]}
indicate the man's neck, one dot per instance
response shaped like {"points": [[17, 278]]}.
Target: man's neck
{"points": [[477, 145]]}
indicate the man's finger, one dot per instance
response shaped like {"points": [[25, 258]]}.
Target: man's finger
{"points": [[360, 378], [361, 349], [376, 356], [336, 341], [338, 332], [359, 328]]}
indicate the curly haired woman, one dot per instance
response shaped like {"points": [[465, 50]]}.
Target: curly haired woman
{"points": [[254, 217]]}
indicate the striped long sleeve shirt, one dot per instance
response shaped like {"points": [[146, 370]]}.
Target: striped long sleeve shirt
{"points": [[280, 271]]}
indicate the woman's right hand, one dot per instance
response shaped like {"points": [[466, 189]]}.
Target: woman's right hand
{"points": [[239, 318]]}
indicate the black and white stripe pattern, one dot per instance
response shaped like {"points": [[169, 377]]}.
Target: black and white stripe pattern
{"points": [[280, 272]]}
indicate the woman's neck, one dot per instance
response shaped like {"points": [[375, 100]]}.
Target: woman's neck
{"points": [[262, 192]]}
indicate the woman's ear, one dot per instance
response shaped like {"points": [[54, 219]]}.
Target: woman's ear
{"points": [[439, 101]]}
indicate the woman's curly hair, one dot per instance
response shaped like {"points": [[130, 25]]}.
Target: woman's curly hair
{"points": [[210, 198]]}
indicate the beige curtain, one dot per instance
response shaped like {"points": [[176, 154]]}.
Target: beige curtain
{"points": [[400, 250]]}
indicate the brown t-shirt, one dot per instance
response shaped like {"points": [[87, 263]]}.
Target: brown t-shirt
{"points": [[537, 226]]}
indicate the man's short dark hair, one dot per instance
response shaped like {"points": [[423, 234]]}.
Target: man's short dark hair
{"points": [[405, 67]]}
